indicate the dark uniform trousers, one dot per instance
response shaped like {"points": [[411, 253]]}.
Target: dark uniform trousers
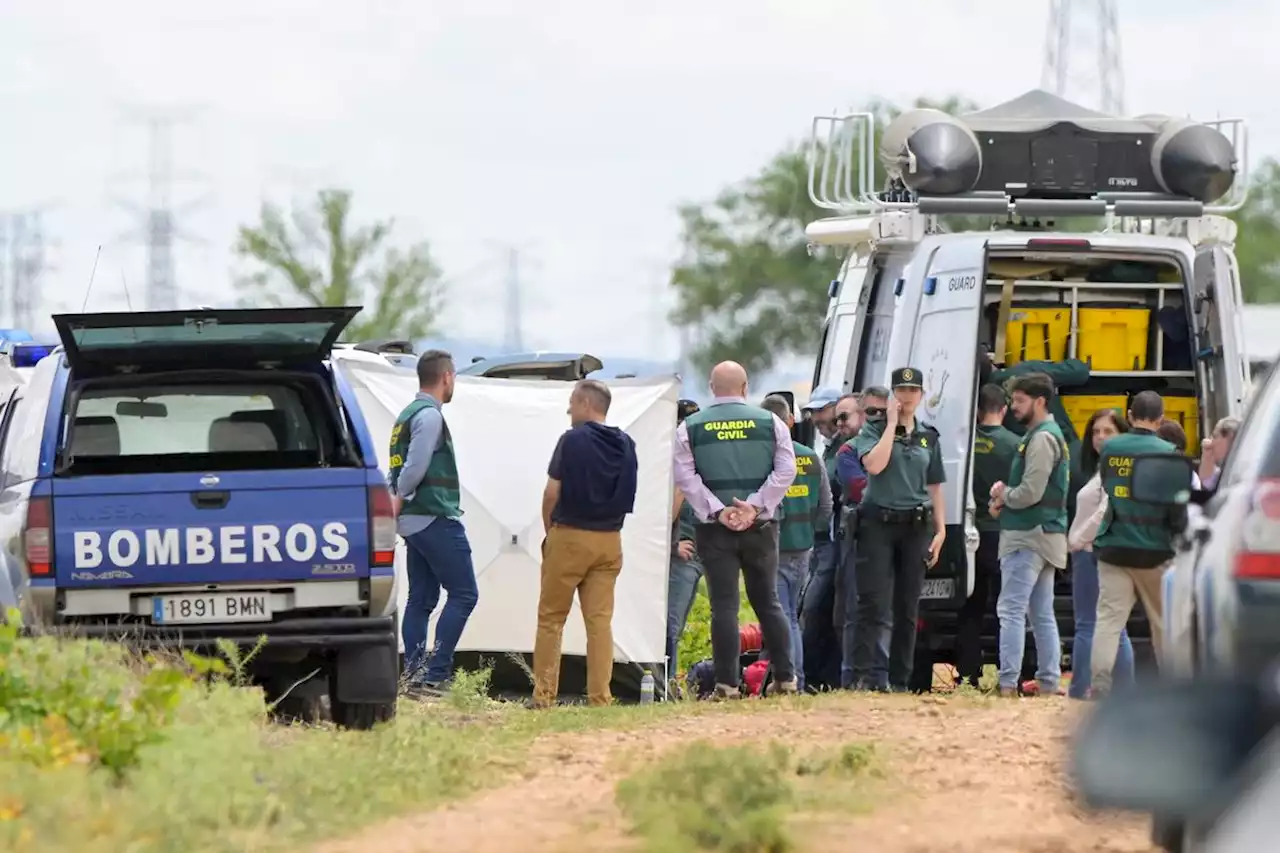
{"points": [[754, 553], [896, 546], [986, 588]]}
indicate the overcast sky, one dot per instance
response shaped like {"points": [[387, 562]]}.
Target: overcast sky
{"points": [[568, 128]]}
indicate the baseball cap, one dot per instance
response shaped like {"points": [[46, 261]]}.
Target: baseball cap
{"points": [[821, 398], [906, 377]]}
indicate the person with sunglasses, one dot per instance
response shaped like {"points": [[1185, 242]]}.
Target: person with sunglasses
{"points": [[852, 481], [902, 529]]}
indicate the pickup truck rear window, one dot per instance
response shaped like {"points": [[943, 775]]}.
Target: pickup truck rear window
{"points": [[196, 427]]}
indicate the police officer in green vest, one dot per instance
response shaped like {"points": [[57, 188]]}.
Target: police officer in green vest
{"points": [[1032, 508], [424, 480], [901, 530], [734, 463], [1134, 542], [994, 449], [806, 508]]}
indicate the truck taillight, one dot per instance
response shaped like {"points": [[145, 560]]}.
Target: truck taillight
{"points": [[37, 537], [1259, 554], [382, 528]]}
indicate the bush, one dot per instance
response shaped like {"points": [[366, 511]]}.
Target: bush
{"points": [[695, 642], [731, 800], [739, 799], [76, 702]]}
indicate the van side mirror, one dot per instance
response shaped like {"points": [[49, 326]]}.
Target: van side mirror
{"points": [[1179, 749], [1163, 479]]}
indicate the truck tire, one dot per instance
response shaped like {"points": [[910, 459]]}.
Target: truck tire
{"points": [[360, 716]]}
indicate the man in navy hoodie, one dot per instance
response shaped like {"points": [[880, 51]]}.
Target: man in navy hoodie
{"points": [[591, 488]]}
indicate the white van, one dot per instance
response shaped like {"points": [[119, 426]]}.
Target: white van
{"points": [[1139, 281]]}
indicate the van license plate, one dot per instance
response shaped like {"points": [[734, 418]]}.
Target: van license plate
{"points": [[211, 607], [938, 588]]}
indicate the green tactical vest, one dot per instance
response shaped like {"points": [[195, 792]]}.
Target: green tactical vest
{"points": [[994, 449], [801, 503], [733, 446], [1050, 513], [438, 493], [1127, 523]]}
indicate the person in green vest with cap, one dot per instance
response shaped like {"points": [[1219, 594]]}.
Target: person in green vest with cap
{"points": [[806, 508], [1134, 542], [1032, 508], [734, 463], [424, 481], [994, 449]]}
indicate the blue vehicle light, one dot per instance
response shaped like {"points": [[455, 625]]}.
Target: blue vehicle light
{"points": [[29, 355], [11, 336], [930, 286]]}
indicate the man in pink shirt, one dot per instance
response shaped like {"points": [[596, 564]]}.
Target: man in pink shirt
{"points": [[733, 463]]}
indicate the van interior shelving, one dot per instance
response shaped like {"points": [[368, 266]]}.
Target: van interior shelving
{"points": [[1123, 315]]}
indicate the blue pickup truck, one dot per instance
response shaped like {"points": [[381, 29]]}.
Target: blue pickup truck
{"points": [[176, 478]]}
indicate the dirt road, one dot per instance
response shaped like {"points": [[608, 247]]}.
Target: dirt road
{"points": [[960, 775]]}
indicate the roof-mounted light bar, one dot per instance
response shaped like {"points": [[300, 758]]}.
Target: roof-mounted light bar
{"points": [[1037, 155]]}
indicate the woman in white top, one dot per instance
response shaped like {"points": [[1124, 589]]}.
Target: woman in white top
{"points": [[1091, 504]]}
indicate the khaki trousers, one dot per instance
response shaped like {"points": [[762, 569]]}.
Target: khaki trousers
{"points": [[1119, 587], [586, 562]]}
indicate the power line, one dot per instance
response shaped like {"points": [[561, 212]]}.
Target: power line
{"points": [[1097, 79]]}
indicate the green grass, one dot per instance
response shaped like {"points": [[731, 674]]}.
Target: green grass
{"points": [[94, 760], [695, 642], [743, 799]]}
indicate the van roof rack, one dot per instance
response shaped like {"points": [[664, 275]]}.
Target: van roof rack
{"points": [[1035, 156]]}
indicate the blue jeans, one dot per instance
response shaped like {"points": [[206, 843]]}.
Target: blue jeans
{"points": [[682, 587], [1026, 588], [439, 556], [793, 567], [817, 609], [1084, 598]]}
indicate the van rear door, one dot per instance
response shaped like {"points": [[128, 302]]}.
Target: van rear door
{"points": [[1219, 328], [205, 448], [943, 343]]}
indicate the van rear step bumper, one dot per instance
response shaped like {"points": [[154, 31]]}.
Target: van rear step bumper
{"points": [[315, 633]]}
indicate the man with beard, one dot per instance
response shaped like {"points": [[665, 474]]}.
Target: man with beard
{"points": [[1032, 508], [424, 479]]}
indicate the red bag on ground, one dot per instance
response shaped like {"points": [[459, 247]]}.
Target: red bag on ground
{"points": [[754, 675]]}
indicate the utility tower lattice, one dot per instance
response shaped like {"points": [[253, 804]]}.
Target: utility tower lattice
{"points": [[1096, 21], [22, 244], [159, 218]]}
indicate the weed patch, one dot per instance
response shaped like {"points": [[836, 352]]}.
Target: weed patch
{"points": [[735, 799]]}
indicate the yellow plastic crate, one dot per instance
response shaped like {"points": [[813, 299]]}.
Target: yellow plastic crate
{"points": [[1080, 407], [1186, 411], [1113, 338], [1037, 334]]}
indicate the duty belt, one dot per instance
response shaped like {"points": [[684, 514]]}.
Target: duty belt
{"points": [[917, 515]]}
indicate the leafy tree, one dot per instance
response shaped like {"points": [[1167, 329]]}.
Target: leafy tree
{"points": [[747, 284], [316, 256], [1258, 243]]}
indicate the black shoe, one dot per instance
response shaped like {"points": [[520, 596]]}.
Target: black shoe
{"points": [[426, 689]]}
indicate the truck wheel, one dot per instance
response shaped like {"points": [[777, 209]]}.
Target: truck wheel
{"points": [[363, 684], [360, 716]]}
